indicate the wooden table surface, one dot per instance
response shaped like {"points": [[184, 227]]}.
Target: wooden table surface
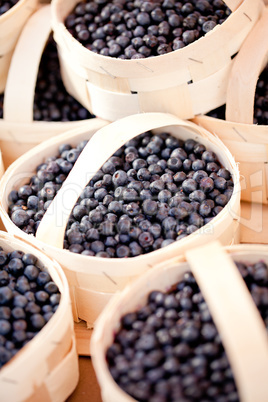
{"points": [[254, 229]]}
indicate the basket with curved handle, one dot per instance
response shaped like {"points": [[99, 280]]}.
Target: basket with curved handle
{"points": [[21, 81], [11, 24], [102, 145], [93, 280], [245, 73], [47, 367], [19, 132], [246, 141], [195, 81], [235, 315]]}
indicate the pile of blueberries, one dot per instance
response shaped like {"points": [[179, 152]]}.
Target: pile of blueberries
{"points": [[155, 190], [261, 99], [51, 101], [170, 349], [260, 102], [134, 29], [6, 5], [28, 299]]}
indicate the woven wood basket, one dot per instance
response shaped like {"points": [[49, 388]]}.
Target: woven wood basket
{"points": [[245, 140], [18, 131], [184, 82], [46, 369], [235, 315], [11, 24], [94, 280]]}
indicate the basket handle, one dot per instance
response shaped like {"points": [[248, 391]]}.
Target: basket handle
{"points": [[242, 330], [22, 75], [233, 4], [100, 148], [247, 66]]}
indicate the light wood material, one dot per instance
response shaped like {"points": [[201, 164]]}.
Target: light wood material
{"points": [[87, 388], [240, 325], [11, 24], [231, 306], [253, 57], [248, 145], [18, 131], [94, 280], [22, 76], [82, 336], [47, 367], [253, 230], [102, 84], [246, 141]]}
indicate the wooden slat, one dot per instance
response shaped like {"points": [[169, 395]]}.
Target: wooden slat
{"points": [[247, 66], [230, 302], [253, 230]]}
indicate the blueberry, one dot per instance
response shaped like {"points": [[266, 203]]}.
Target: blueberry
{"points": [[20, 217], [18, 313], [4, 278], [5, 327], [6, 295], [206, 184], [197, 195], [208, 26], [220, 183], [146, 239], [188, 37], [37, 321], [55, 299], [75, 237], [149, 207], [189, 185], [119, 178], [43, 278], [5, 356], [5, 312], [156, 186], [15, 266], [23, 284]]}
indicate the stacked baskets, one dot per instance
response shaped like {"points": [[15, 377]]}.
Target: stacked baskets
{"points": [[246, 141], [19, 131]]}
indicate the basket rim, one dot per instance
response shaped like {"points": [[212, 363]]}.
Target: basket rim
{"points": [[72, 134], [55, 269], [59, 28], [98, 350], [13, 9]]}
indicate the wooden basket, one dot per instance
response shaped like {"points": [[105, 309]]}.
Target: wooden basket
{"points": [[18, 131], [93, 280], [235, 315], [46, 369], [184, 82], [245, 140], [11, 24]]}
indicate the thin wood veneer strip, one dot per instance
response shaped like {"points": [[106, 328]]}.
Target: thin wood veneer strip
{"points": [[247, 66], [236, 317], [22, 76], [233, 4]]}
